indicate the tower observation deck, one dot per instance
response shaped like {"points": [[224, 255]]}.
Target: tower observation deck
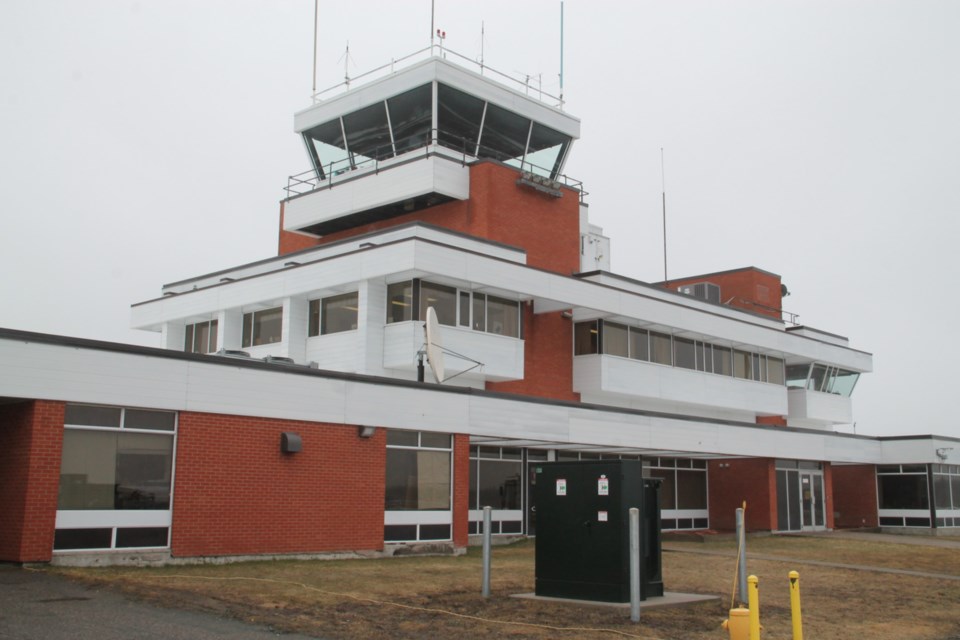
{"points": [[404, 142]]}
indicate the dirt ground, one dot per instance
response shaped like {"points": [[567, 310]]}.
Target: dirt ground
{"points": [[439, 597]]}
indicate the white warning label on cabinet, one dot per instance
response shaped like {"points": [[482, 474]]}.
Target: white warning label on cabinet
{"points": [[603, 486], [561, 487], [601, 516]]}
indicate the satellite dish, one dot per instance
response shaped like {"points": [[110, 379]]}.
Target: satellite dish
{"points": [[434, 344]]}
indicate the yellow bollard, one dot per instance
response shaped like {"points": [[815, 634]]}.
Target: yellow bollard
{"points": [[795, 605], [753, 599]]}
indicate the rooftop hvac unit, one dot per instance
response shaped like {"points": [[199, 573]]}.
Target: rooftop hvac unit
{"points": [[703, 290]]}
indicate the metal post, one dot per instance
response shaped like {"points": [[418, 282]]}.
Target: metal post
{"points": [[486, 551], [634, 564], [754, 598], [795, 605], [741, 558]]}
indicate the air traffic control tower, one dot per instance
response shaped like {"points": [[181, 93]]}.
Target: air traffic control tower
{"points": [[435, 142]]}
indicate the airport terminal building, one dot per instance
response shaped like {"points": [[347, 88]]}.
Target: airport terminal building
{"points": [[292, 408]]}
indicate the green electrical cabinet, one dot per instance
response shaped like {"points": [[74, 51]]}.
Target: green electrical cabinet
{"points": [[583, 530]]}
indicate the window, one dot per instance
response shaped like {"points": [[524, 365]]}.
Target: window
{"points": [[418, 486], [503, 317], [684, 353], [615, 339], [333, 314], [820, 377], [495, 478], [683, 491], [410, 118], [115, 460], [902, 487], [775, 370], [455, 307], [586, 338], [661, 350], [418, 471], [741, 364], [639, 344], [443, 299], [201, 337], [400, 301], [722, 360], [262, 327], [479, 310]]}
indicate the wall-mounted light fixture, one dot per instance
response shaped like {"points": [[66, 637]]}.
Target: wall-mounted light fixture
{"points": [[367, 432], [566, 314], [290, 442]]}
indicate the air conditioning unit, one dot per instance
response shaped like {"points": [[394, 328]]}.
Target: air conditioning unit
{"points": [[703, 290]]}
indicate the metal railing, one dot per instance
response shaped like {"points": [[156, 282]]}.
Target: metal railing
{"points": [[443, 52], [436, 143]]}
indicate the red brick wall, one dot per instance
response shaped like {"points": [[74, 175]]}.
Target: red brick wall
{"points": [[461, 489], [236, 493], [498, 209], [854, 496], [547, 358], [732, 482], [31, 440], [828, 493], [290, 242], [749, 288]]}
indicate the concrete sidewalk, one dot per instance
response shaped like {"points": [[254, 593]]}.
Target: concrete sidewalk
{"points": [[37, 604]]}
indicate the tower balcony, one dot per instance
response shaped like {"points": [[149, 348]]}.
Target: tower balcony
{"points": [[817, 409], [501, 356], [374, 189], [648, 385]]}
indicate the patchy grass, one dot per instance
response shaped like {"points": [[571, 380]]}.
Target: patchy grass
{"points": [[439, 597]]}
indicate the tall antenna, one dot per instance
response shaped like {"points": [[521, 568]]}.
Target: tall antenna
{"points": [[316, 14], [432, 8], [482, 36], [346, 61], [561, 54], [663, 186]]}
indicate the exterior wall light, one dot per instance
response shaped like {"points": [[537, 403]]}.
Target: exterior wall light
{"points": [[290, 442], [367, 432]]}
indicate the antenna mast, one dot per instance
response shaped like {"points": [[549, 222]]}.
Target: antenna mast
{"points": [[663, 186], [432, 7], [561, 54], [482, 35], [316, 13]]}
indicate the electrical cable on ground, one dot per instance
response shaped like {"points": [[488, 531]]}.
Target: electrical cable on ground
{"points": [[396, 604]]}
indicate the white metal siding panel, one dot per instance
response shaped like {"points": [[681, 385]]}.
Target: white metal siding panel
{"points": [[390, 185], [335, 351], [80, 374]]}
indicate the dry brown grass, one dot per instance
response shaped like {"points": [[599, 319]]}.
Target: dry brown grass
{"points": [[402, 597]]}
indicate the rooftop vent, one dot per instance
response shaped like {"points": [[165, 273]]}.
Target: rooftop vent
{"points": [[703, 290], [232, 353], [279, 360]]}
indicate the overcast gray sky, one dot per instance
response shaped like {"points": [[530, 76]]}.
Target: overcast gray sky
{"points": [[142, 142]]}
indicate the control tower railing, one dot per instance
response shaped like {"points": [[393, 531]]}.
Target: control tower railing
{"points": [[437, 143], [524, 85]]}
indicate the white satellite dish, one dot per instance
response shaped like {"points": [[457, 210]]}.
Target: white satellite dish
{"points": [[434, 344]]}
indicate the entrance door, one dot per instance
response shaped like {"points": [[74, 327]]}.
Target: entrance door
{"points": [[811, 496]]}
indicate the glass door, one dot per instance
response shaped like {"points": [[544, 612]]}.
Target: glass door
{"points": [[811, 497]]}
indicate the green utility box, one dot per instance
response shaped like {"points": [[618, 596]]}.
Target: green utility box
{"points": [[583, 530]]}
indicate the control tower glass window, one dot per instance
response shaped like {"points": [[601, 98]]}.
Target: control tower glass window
{"points": [[368, 135], [458, 119], [329, 150], [410, 118], [545, 151], [504, 135]]}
